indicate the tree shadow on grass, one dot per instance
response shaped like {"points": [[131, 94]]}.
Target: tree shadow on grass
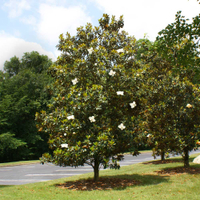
{"points": [[3, 186], [118, 182], [193, 169]]}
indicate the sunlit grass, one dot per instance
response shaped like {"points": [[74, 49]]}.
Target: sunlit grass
{"points": [[19, 163]]}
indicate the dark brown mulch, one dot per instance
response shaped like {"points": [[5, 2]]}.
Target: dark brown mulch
{"points": [[101, 184], [180, 170], [158, 162]]}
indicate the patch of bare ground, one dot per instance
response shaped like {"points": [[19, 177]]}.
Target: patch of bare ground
{"points": [[179, 170], [158, 162], [101, 184]]}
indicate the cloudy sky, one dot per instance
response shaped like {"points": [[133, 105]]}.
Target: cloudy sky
{"points": [[35, 25]]}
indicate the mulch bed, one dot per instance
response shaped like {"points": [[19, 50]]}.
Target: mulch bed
{"points": [[158, 162], [180, 170], [101, 184]]}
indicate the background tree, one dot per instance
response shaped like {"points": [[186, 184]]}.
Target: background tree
{"points": [[23, 92], [173, 119], [179, 44], [97, 96], [170, 92]]}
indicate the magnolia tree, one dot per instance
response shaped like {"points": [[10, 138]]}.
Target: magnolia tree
{"points": [[173, 120], [172, 113], [97, 96], [154, 124]]}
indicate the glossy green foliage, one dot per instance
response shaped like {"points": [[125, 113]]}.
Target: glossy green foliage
{"points": [[179, 43]]}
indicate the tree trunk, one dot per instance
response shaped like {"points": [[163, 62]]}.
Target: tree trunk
{"points": [[162, 155], [186, 158], [96, 170]]}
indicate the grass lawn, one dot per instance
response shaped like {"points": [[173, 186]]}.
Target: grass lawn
{"points": [[19, 163], [153, 185]]}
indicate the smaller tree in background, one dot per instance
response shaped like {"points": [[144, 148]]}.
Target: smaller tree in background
{"points": [[173, 119], [174, 65]]}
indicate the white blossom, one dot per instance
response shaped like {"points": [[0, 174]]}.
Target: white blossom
{"points": [[90, 50], [70, 117], [65, 134], [133, 105], [112, 73], [149, 135], [98, 108], [120, 92], [131, 57], [75, 81], [189, 105], [120, 50], [64, 145], [121, 126], [92, 119]]}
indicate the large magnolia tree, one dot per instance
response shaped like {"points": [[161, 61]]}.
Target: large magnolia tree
{"points": [[97, 96]]}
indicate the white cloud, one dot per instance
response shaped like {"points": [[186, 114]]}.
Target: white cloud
{"points": [[147, 16], [55, 20], [12, 46], [30, 20], [16, 7]]}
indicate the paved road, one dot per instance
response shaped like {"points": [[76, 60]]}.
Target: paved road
{"points": [[18, 175]]}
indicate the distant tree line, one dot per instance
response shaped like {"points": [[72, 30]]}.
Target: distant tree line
{"points": [[23, 92]]}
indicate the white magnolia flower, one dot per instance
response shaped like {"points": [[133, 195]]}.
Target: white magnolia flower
{"points": [[149, 135], [90, 50], [189, 105], [92, 119], [120, 50], [120, 92], [121, 126], [75, 81], [70, 117], [64, 145], [98, 108], [133, 105], [112, 73], [131, 57]]}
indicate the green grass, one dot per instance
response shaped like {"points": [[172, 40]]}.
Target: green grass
{"points": [[19, 163], [153, 186]]}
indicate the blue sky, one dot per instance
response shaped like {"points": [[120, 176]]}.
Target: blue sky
{"points": [[35, 25]]}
